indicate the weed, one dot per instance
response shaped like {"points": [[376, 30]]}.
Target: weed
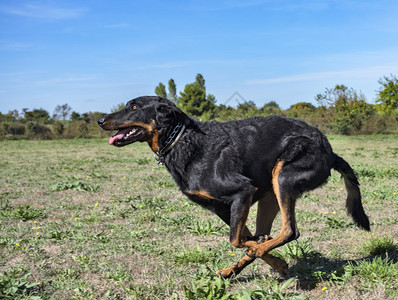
{"points": [[195, 255], [98, 175], [214, 288], [379, 246], [153, 203], [372, 172], [298, 249], [120, 275], [338, 223], [4, 201], [84, 260], [14, 284], [24, 212], [165, 184], [377, 271], [275, 291], [77, 185], [205, 227]]}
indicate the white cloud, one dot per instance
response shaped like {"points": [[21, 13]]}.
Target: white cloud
{"points": [[188, 63], [56, 81], [42, 11], [14, 46], [360, 73]]}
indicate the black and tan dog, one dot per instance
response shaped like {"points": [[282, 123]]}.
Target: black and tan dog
{"points": [[227, 167]]}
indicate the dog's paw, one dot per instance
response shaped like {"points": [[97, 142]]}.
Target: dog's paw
{"points": [[263, 238], [225, 273]]}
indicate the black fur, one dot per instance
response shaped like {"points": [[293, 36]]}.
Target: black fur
{"points": [[226, 167]]}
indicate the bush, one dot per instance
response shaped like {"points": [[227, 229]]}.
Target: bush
{"points": [[38, 131]]}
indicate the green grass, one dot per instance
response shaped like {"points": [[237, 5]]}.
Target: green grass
{"points": [[80, 219]]}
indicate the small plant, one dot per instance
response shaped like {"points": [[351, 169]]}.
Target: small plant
{"points": [[165, 184], [299, 249], [205, 227], [276, 291], [77, 185], [337, 223], [4, 201], [378, 271], [195, 255], [15, 285], [60, 234], [153, 203], [26, 212], [379, 246], [212, 288]]}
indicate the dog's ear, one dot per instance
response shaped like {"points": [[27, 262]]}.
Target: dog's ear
{"points": [[167, 114]]}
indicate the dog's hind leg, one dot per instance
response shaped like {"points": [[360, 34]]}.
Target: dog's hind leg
{"points": [[267, 209], [286, 196]]}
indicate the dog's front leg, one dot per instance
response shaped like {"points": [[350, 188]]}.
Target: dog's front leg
{"points": [[238, 266]]}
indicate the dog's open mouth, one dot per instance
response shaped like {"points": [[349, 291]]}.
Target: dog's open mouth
{"points": [[126, 136]]}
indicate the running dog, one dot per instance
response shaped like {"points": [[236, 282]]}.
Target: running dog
{"points": [[227, 167]]}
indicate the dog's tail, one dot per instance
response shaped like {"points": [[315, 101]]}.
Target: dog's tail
{"points": [[353, 203]]}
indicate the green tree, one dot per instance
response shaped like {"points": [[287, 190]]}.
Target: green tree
{"points": [[37, 115], [387, 96], [75, 116], [301, 110], [62, 112], [172, 90], [270, 108], [118, 107], [160, 90], [246, 109], [201, 81], [303, 106], [92, 117], [193, 100], [348, 109]]}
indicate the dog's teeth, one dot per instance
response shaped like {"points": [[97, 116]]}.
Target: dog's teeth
{"points": [[133, 131]]}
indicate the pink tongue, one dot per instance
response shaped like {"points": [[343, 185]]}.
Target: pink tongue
{"points": [[112, 139]]}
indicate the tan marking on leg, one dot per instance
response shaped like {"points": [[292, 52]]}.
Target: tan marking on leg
{"points": [[236, 268], [202, 194], [275, 175], [287, 212]]}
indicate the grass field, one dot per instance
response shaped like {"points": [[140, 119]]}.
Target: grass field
{"points": [[80, 219]]}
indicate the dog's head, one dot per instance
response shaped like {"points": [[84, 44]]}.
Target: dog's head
{"points": [[144, 119]]}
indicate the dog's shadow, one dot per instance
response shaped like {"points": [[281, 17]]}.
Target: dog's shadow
{"points": [[310, 271]]}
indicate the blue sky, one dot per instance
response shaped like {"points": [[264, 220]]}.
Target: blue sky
{"points": [[95, 54]]}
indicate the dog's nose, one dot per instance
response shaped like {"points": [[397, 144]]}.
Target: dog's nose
{"points": [[101, 121]]}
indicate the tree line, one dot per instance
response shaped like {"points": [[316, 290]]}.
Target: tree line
{"points": [[340, 110]]}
